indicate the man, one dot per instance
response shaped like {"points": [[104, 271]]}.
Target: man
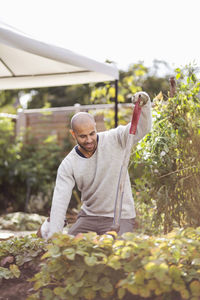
{"points": [[94, 165]]}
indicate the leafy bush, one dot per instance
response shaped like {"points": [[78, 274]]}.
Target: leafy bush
{"points": [[89, 266], [166, 168], [27, 168], [8, 155]]}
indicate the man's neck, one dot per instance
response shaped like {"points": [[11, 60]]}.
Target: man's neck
{"points": [[87, 154]]}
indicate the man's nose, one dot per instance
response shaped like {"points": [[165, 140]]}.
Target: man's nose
{"points": [[89, 139]]}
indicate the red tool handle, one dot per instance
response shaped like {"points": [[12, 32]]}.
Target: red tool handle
{"points": [[135, 117]]}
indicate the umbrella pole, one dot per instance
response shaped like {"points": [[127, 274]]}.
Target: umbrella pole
{"points": [[116, 103]]}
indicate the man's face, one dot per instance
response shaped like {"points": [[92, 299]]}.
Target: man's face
{"points": [[86, 137]]}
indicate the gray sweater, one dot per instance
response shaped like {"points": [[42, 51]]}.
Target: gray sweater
{"points": [[97, 177]]}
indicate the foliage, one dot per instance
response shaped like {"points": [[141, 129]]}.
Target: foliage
{"points": [[128, 84], [137, 78], [26, 168], [9, 101], [60, 96], [166, 168], [21, 221], [16, 252], [134, 266], [8, 155]]}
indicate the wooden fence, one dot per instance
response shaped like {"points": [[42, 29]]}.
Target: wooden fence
{"points": [[55, 121]]}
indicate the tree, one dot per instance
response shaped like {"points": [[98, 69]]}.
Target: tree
{"points": [[61, 96]]}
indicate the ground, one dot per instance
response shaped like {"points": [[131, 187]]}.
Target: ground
{"points": [[18, 289]]}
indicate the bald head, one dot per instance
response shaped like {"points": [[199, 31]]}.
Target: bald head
{"points": [[81, 119]]}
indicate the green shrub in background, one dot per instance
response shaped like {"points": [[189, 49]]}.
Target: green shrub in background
{"points": [[20, 221], [165, 167], [26, 168], [9, 155], [89, 266]]}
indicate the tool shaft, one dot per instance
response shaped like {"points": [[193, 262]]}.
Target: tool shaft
{"points": [[124, 167]]}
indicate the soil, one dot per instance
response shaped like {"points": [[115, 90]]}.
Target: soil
{"points": [[19, 289]]}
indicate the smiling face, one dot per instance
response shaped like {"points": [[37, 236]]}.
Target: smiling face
{"points": [[84, 131]]}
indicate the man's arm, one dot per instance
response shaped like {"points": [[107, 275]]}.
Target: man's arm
{"points": [[61, 197], [143, 127]]}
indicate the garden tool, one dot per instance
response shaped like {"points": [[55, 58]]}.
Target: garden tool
{"points": [[139, 99]]}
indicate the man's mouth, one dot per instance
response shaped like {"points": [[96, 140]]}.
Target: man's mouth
{"points": [[89, 146]]}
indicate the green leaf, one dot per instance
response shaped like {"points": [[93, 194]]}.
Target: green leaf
{"points": [[60, 291], [107, 288], [54, 251], [79, 273], [90, 260], [38, 284], [105, 284], [185, 294], [150, 267], [48, 294], [139, 277], [126, 252], [69, 253], [121, 293], [89, 294], [15, 270], [5, 273], [73, 290], [144, 292], [114, 262], [152, 284], [133, 289], [195, 288], [175, 273]]}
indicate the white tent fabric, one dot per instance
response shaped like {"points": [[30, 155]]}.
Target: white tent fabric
{"points": [[29, 63]]}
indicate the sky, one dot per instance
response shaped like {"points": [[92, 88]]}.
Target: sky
{"points": [[123, 31]]}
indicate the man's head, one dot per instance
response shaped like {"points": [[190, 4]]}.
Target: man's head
{"points": [[83, 129]]}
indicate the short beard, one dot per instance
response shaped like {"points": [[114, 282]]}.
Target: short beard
{"points": [[95, 146]]}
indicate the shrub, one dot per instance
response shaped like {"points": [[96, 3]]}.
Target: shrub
{"points": [[9, 150], [166, 168], [26, 168], [89, 266]]}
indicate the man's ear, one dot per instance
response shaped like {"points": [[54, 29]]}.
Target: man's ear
{"points": [[72, 133]]}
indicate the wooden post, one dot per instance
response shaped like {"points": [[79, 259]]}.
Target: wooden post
{"points": [[21, 123], [172, 87]]}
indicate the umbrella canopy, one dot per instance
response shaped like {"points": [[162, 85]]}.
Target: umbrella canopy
{"points": [[29, 63]]}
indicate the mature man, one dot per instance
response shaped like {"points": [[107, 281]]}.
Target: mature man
{"points": [[94, 165]]}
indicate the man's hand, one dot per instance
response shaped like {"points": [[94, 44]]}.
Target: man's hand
{"points": [[143, 97], [43, 231]]}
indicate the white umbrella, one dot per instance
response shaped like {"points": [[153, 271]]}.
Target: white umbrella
{"points": [[26, 62]]}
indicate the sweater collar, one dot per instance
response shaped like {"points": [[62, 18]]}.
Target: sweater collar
{"points": [[80, 153]]}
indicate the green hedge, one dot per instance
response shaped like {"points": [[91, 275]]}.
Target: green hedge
{"points": [[89, 266]]}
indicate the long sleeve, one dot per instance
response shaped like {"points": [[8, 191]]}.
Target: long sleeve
{"points": [[145, 122], [144, 126], [62, 194]]}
